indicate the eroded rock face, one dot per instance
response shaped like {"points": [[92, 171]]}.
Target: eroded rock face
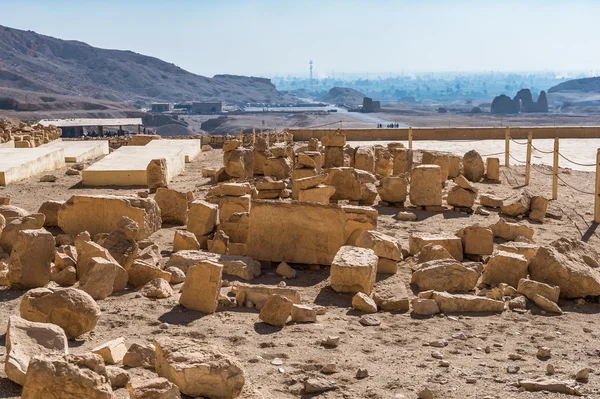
{"points": [[67, 377], [473, 167], [198, 369], [70, 308], [173, 205], [27, 339], [569, 264]]}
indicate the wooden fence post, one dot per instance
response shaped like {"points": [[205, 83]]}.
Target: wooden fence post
{"points": [[242, 135], [410, 138], [507, 146], [253, 136], [555, 171], [597, 191], [528, 161]]}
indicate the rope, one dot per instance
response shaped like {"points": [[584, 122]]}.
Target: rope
{"points": [[574, 188], [543, 152], [577, 163], [542, 172], [327, 124], [517, 160], [516, 141], [496, 153]]}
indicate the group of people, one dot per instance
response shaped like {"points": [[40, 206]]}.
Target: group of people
{"points": [[389, 125]]}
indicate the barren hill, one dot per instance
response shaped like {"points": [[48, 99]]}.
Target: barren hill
{"points": [[36, 63], [586, 85], [343, 95]]}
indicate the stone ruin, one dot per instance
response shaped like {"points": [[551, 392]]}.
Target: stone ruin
{"points": [[26, 136], [522, 102], [283, 205]]}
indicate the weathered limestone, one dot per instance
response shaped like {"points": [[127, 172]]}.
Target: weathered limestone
{"points": [[473, 168], [569, 264], [140, 356], [491, 201], [286, 271], [67, 376], [364, 159], [229, 189], [157, 174], [510, 231], [157, 288], [102, 213], [31, 258], [431, 252], [219, 244], [239, 163], [531, 288], [457, 303], [27, 339], [50, 210], [278, 168], [70, 308], [306, 183], [276, 310], [154, 388], [354, 270], [103, 278], [460, 197], [198, 369], [424, 307], [236, 227], [229, 205], [492, 169], [320, 194], [364, 303], [202, 217], [241, 266], [346, 182], [112, 352], [537, 208], [383, 245], [393, 189], [201, 288], [16, 224], [173, 205], [303, 314], [516, 206], [185, 241], [121, 243], [452, 244], [335, 139], [521, 248], [445, 275], [546, 304], [442, 159], [256, 295], [425, 189], [403, 159], [141, 273], [505, 267], [293, 232], [334, 157], [477, 240]]}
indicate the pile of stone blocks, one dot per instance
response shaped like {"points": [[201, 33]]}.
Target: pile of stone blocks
{"points": [[387, 249], [238, 161], [334, 149], [312, 189], [354, 185], [462, 194], [27, 136], [270, 189], [281, 162], [364, 159], [403, 159], [384, 162], [393, 190], [425, 187], [448, 162], [260, 154], [309, 163]]}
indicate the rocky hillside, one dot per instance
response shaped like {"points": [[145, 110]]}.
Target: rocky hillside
{"points": [[586, 85], [37, 63], [343, 95]]}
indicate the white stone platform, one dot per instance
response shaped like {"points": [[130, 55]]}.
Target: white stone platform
{"points": [[21, 163], [127, 165], [81, 150], [192, 147], [8, 144]]}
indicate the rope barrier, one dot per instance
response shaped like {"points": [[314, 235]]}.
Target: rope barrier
{"points": [[516, 141], [542, 172], [574, 188], [491, 155], [517, 160], [576, 163], [543, 152], [327, 124]]}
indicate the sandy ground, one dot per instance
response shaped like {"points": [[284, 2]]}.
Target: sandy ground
{"points": [[396, 354]]}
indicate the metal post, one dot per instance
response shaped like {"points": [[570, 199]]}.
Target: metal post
{"points": [[555, 171], [507, 146], [410, 138], [528, 161], [597, 191]]}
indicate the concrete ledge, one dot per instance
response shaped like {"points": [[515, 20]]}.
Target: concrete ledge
{"points": [[8, 144], [81, 151], [21, 163], [192, 147], [127, 166]]}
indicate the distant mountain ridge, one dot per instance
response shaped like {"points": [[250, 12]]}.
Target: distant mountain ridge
{"points": [[586, 85], [38, 63]]}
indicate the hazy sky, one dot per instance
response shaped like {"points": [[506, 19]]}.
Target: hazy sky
{"points": [[265, 38]]}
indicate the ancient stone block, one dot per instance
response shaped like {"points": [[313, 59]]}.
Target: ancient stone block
{"points": [[531, 288], [173, 205], [505, 267], [202, 217], [50, 210], [256, 295], [403, 160], [113, 351], [459, 197], [439, 158], [457, 303], [102, 213], [425, 189], [157, 174], [230, 205], [473, 168], [141, 273], [320, 194], [354, 270], [477, 240], [335, 139], [491, 201], [492, 169], [278, 168], [241, 266], [334, 157], [103, 278], [346, 182], [383, 245], [239, 162], [393, 189], [364, 159], [445, 275], [452, 244], [510, 231], [154, 388], [276, 310], [31, 258], [236, 227]]}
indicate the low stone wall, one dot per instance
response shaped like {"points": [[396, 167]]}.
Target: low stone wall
{"points": [[456, 133]]}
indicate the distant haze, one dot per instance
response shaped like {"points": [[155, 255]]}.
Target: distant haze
{"points": [[266, 38]]}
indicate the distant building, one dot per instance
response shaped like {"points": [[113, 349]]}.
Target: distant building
{"points": [[207, 108], [370, 106], [161, 107]]}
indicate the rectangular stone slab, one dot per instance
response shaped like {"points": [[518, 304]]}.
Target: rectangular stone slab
{"points": [[127, 165], [295, 232], [191, 148], [81, 150], [21, 163]]}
